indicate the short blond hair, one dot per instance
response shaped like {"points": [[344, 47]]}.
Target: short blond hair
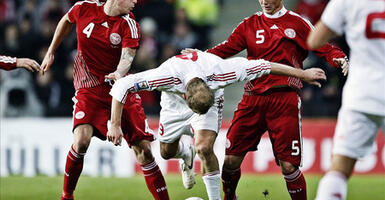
{"points": [[199, 96]]}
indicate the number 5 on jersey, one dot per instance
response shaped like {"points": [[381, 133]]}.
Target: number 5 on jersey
{"points": [[260, 37], [88, 29]]}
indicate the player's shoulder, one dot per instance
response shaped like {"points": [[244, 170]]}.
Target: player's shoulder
{"points": [[298, 19], [132, 25]]}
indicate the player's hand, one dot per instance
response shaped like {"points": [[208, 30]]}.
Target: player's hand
{"points": [[29, 64], [113, 76], [343, 63], [188, 51], [47, 62], [313, 76], [115, 135]]}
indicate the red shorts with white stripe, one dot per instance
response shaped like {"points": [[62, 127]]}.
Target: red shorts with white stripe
{"points": [[93, 106], [276, 111]]}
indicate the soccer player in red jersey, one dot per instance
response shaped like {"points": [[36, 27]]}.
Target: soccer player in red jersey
{"points": [[10, 63], [271, 103], [108, 37]]}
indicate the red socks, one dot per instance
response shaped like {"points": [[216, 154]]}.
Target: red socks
{"points": [[230, 180], [296, 185], [155, 181], [73, 169]]}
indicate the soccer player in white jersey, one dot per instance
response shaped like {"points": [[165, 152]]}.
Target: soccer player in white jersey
{"points": [[192, 96], [363, 103]]}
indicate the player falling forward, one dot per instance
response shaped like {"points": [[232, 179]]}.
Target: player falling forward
{"points": [[11, 63], [108, 37], [271, 103], [363, 101], [192, 99]]}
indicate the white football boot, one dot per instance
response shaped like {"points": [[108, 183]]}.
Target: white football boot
{"points": [[187, 167]]}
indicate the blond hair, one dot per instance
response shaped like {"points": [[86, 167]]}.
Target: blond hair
{"points": [[199, 96]]}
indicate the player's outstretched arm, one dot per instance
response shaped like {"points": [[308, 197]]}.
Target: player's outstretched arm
{"points": [[115, 133], [29, 64], [63, 28], [126, 58], [311, 76], [319, 36]]}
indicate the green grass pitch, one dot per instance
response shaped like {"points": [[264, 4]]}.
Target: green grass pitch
{"points": [[251, 187]]}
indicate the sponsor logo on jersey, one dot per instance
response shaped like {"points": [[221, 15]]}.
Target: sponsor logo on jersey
{"points": [[141, 85], [274, 27], [115, 38], [80, 115], [105, 24], [289, 32]]}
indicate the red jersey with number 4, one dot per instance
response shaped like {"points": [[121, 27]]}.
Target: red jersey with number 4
{"points": [[7, 62], [278, 38], [100, 41]]}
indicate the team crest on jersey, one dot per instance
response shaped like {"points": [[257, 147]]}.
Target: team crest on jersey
{"points": [[80, 115], [141, 85], [115, 38], [289, 32]]}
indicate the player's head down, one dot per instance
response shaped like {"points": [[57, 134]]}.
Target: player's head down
{"points": [[199, 96]]}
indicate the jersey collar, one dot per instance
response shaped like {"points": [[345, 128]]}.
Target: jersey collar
{"points": [[278, 14]]}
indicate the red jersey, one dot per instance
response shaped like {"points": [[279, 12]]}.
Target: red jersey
{"points": [[278, 38], [100, 41], [7, 62]]}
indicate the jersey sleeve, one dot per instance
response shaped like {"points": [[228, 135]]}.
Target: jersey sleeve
{"points": [[233, 45], [333, 16], [131, 33], [74, 12], [7, 63], [239, 69], [154, 79]]}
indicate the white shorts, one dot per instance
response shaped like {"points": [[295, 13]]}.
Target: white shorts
{"points": [[177, 119], [356, 133]]}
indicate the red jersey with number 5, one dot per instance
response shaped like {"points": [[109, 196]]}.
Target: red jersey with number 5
{"points": [[278, 38], [100, 41]]}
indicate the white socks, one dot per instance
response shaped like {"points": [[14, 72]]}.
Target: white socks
{"points": [[332, 187], [212, 181], [183, 150]]}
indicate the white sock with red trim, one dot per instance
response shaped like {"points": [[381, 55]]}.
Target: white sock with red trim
{"points": [[332, 186]]}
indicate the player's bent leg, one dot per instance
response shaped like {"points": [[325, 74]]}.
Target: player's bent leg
{"points": [[231, 173], [333, 185], [204, 145], [169, 150], [153, 176], [295, 180], [186, 154], [75, 158]]}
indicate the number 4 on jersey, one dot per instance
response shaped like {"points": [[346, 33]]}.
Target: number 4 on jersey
{"points": [[88, 29]]}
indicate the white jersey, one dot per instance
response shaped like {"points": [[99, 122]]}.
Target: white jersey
{"points": [[173, 75], [363, 22]]}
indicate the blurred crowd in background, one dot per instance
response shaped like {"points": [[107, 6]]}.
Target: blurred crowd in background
{"points": [[167, 27]]}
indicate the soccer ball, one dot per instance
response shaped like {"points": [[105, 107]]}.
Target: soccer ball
{"points": [[194, 198]]}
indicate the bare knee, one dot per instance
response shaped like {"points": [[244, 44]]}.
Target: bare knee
{"points": [[287, 168], [143, 152], [232, 162], [169, 150], [82, 138], [204, 150]]}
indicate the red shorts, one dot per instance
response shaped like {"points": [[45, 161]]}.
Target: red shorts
{"points": [[276, 111], [93, 106]]}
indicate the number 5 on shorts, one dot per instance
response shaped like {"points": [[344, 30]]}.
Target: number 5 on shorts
{"points": [[295, 148]]}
